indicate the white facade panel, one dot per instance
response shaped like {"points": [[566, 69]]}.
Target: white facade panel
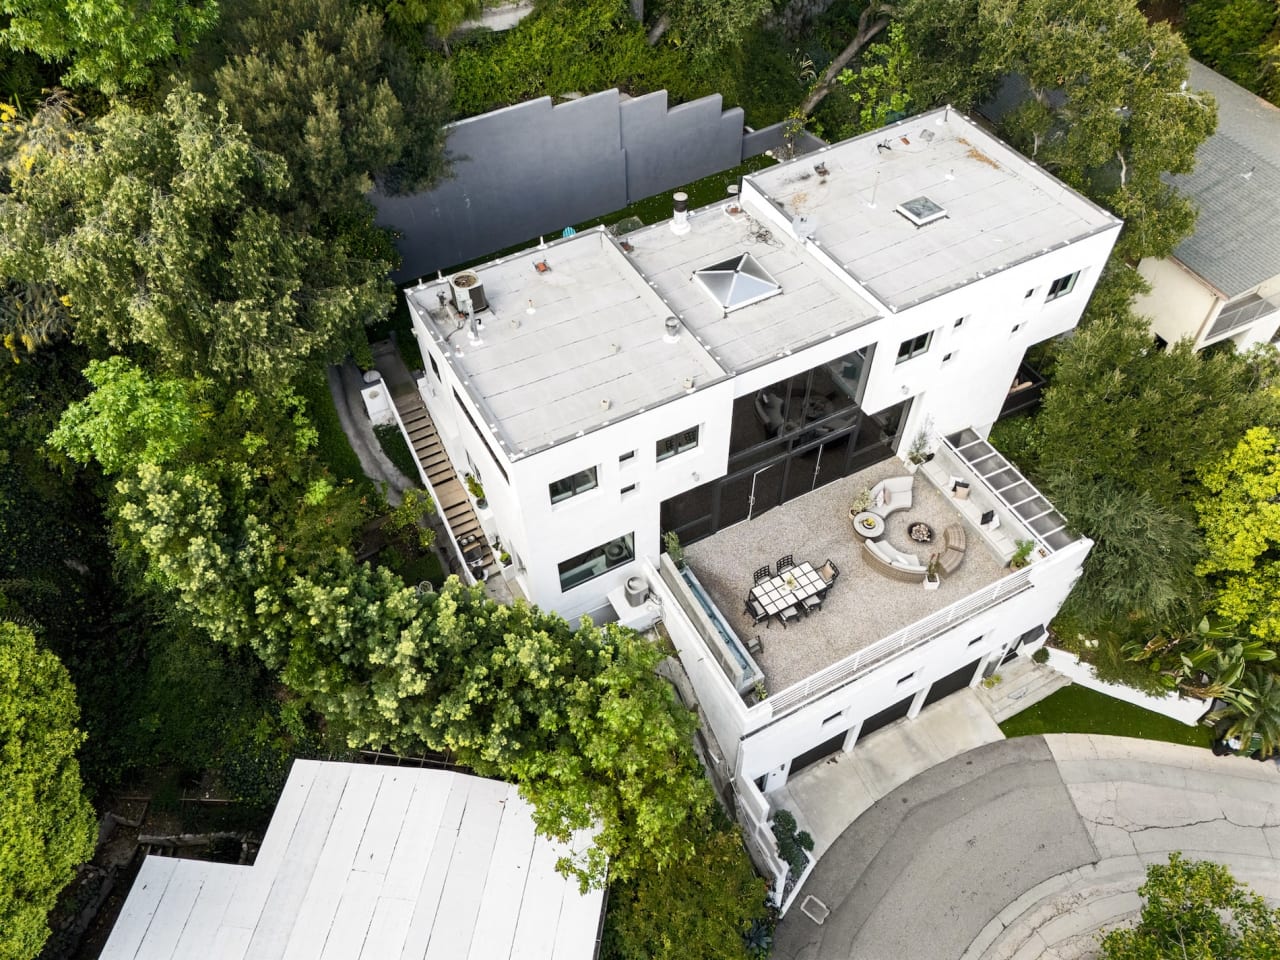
{"points": [[1180, 304]]}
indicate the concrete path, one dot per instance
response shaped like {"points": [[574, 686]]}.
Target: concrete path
{"points": [[1027, 847], [833, 793], [345, 383]]}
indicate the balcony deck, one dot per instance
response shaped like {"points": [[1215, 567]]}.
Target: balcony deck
{"points": [[864, 605]]}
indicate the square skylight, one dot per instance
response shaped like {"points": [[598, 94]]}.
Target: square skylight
{"points": [[921, 211], [738, 282]]}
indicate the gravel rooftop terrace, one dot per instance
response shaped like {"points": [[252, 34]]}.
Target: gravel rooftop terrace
{"points": [[864, 605]]}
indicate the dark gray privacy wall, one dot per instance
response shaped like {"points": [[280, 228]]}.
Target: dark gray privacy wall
{"points": [[534, 168]]}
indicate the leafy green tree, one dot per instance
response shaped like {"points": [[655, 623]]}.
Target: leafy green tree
{"points": [[878, 87], [1240, 516], [703, 28], [1231, 36], [697, 907], [1106, 109], [410, 17], [162, 229], [46, 826], [319, 83], [1206, 661], [1196, 910], [110, 46], [1120, 436]]}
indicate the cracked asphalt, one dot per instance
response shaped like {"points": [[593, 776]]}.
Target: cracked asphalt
{"points": [[1027, 847]]}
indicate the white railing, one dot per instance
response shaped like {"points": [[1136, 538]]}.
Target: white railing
{"points": [[908, 638]]}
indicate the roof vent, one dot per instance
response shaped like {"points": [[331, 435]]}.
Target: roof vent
{"points": [[673, 330], [738, 282], [921, 211]]}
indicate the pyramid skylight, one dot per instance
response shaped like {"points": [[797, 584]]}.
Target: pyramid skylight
{"points": [[738, 282]]}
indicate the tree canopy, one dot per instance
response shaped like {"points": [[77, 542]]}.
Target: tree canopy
{"points": [[111, 46], [47, 828], [1240, 515], [166, 232], [1198, 911]]}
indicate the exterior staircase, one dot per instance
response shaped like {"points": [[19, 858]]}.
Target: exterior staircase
{"points": [[452, 500], [1023, 683]]}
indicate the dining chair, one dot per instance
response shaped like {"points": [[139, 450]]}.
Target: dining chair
{"points": [[786, 563], [763, 573], [755, 611], [788, 613], [829, 571], [812, 603]]}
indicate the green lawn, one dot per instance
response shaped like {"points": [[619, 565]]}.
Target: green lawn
{"points": [[1078, 709]]}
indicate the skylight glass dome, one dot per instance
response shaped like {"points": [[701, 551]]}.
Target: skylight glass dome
{"points": [[738, 282]]}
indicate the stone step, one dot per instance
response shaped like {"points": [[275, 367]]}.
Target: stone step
{"points": [[1028, 696]]}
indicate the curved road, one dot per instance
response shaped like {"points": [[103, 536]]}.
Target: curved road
{"points": [[1027, 847]]}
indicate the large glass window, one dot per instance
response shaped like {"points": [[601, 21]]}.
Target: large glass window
{"points": [[571, 486], [1062, 286], [587, 566], [677, 443], [914, 347]]}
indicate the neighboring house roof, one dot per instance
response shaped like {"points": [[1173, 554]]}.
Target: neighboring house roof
{"points": [[370, 863], [1236, 185]]}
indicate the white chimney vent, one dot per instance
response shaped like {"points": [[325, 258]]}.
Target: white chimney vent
{"points": [[673, 330], [680, 214]]}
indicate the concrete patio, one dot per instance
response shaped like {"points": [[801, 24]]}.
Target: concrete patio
{"points": [[864, 605]]}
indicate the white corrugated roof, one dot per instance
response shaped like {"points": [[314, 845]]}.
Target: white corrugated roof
{"points": [[370, 863]]}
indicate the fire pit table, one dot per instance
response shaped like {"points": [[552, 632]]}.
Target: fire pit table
{"points": [[919, 532]]}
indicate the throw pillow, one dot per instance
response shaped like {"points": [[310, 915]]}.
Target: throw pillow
{"points": [[987, 517], [962, 491], [887, 494]]}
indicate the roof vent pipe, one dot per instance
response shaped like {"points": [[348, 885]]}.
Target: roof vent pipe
{"points": [[680, 214], [673, 330]]}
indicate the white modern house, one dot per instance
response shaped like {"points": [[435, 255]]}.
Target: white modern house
{"points": [[1223, 282], [365, 862], [737, 376]]}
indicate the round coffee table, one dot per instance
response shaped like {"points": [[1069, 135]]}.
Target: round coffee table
{"points": [[868, 525]]}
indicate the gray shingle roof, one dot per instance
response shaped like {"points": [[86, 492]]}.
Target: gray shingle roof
{"points": [[1236, 185]]}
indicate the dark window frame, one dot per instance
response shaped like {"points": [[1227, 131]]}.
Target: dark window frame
{"points": [[677, 443], [914, 347], [574, 568], [571, 487], [1062, 286]]}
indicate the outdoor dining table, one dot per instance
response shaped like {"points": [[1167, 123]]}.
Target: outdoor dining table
{"points": [[776, 594]]}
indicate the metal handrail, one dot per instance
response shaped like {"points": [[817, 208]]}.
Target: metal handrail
{"points": [[908, 638]]}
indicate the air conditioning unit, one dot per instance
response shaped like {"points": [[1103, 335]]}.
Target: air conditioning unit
{"points": [[468, 292]]}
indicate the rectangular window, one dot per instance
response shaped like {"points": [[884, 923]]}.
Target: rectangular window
{"points": [[629, 455], [587, 566], [677, 443], [572, 485], [629, 488], [959, 322], [1027, 295], [914, 347], [1062, 286], [434, 368], [946, 357]]}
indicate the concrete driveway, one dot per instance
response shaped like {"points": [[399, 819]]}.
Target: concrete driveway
{"points": [[1027, 847]]}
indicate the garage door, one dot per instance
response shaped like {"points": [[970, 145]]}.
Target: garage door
{"points": [[822, 750], [951, 682], [886, 716]]}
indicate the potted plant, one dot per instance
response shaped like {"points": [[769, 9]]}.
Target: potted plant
{"points": [[933, 573], [1022, 555], [919, 451], [860, 503], [476, 490], [504, 558], [671, 540]]}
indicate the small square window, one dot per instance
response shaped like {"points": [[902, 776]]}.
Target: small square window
{"points": [[629, 488], [1062, 286], [629, 455], [946, 357], [959, 322], [1016, 328], [914, 347], [1028, 294]]}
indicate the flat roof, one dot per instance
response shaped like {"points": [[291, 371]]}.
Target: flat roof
{"points": [[370, 863], [1236, 186], [1000, 208], [813, 305], [567, 348]]}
